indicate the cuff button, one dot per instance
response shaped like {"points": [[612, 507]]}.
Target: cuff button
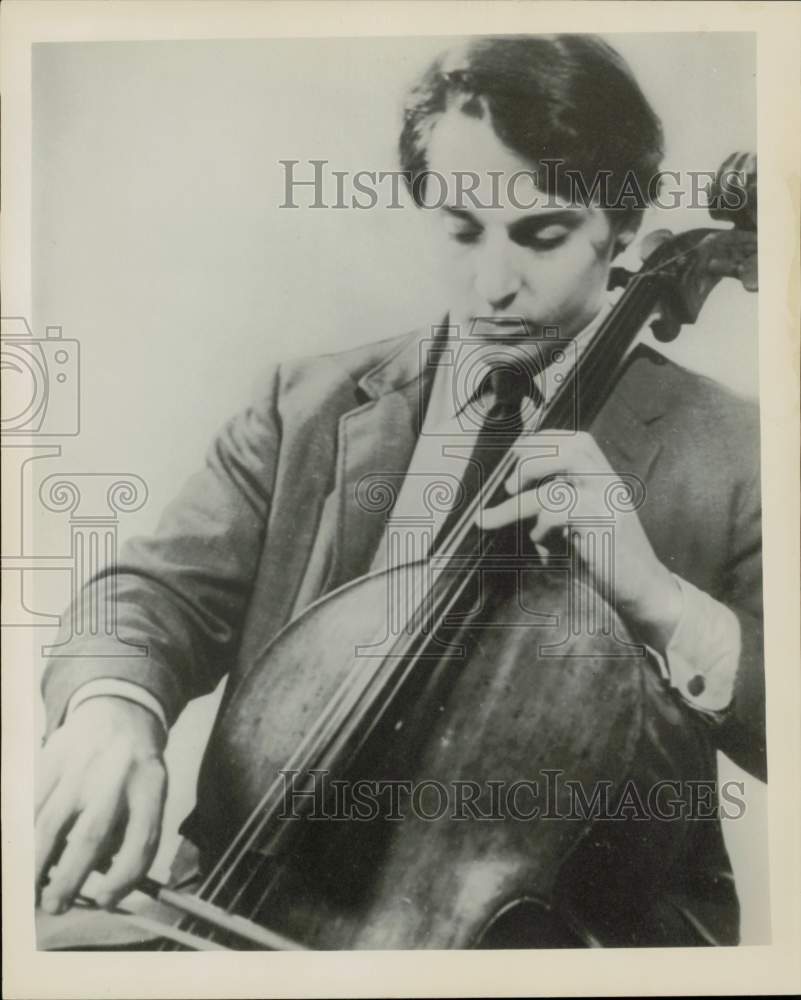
{"points": [[696, 685]]}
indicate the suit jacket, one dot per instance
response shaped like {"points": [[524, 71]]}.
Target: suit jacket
{"points": [[272, 521]]}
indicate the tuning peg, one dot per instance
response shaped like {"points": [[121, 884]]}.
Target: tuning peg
{"points": [[748, 275], [732, 195], [653, 241], [619, 277], [665, 325]]}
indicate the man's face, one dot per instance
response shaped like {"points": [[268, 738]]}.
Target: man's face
{"points": [[546, 264]]}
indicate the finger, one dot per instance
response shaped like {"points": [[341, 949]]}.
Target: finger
{"points": [[146, 807], [531, 469], [520, 507], [556, 454], [85, 846], [547, 522], [114, 841], [56, 816]]}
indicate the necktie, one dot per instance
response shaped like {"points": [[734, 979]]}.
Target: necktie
{"points": [[498, 403]]}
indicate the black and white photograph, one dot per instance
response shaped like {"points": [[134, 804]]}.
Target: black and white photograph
{"points": [[385, 463]]}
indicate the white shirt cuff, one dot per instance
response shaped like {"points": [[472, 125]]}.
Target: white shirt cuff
{"points": [[701, 659], [115, 688]]}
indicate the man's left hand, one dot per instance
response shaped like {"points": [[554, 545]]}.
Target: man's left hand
{"points": [[564, 482]]}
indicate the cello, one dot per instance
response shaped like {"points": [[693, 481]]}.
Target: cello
{"points": [[455, 696]]}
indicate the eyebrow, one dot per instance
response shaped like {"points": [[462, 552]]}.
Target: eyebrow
{"points": [[523, 227]]}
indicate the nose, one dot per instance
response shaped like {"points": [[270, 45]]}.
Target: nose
{"points": [[497, 280]]}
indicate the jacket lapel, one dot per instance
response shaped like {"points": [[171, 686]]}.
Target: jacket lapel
{"points": [[375, 446], [627, 428]]}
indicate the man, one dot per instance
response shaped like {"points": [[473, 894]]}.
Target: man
{"points": [[274, 520]]}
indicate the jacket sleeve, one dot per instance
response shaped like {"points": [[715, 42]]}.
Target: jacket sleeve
{"points": [[741, 733], [182, 594]]}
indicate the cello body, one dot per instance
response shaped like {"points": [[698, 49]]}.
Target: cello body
{"points": [[524, 705]]}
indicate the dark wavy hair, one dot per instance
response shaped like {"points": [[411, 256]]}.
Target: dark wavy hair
{"points": [[571, 98]]}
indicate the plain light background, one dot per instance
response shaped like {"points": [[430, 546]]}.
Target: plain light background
{"points": [[159, 244]]}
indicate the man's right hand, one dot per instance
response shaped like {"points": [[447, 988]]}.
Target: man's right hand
{"points": [[100, 793]]}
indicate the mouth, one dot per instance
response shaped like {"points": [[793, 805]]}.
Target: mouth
{"points": [[503, 325]]}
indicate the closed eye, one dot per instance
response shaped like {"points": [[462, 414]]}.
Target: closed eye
{"points": [[462, 227], [544, 234], [469, 235], [546, 239]]}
